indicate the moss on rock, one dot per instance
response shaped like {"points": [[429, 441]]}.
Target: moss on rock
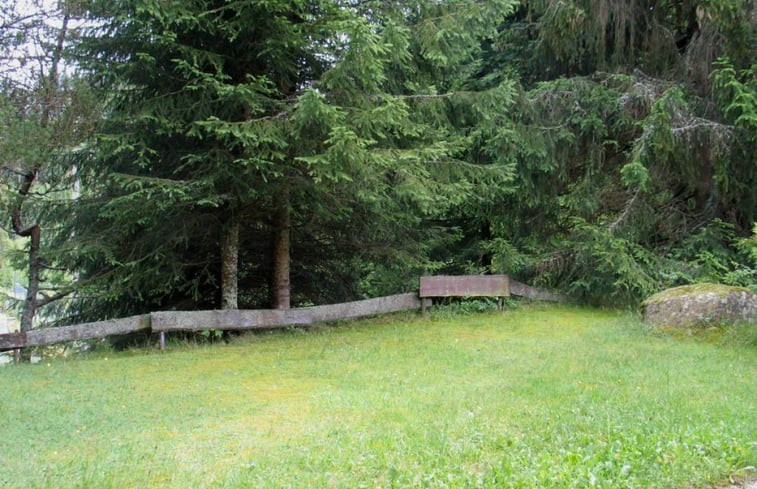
{"points": [[704, 288]]}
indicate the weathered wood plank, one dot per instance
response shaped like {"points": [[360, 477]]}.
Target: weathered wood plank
{"points": [[85, 331], [367, 307], [229, 319], [523, 290], [465, 286], [277, 318], [426, 303], [11, 341]]}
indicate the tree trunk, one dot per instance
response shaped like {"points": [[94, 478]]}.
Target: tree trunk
{"points": [[30, 304], [230, 264], [34, 233], [486, 256], [281, 251]]}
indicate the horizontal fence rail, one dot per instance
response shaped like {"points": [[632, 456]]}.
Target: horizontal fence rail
{"points": [[226, 320], [85, 331], [523, 290], [277, 318], [167, 321]]}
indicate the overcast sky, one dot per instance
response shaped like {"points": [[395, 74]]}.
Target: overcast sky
{"points": [[22, 62]]}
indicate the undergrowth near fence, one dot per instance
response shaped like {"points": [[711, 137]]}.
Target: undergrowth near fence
{"points": [[539, 396]]}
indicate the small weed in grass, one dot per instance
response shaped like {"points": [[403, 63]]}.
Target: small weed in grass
{"points": [[540, 396]]}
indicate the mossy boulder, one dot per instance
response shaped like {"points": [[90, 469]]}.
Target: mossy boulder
{"points": [[700, 305]]}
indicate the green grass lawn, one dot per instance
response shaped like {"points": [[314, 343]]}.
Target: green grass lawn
{"points": [[553, 397]]}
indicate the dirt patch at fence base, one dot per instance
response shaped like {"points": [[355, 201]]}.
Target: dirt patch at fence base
{"points": [[745, 484]]}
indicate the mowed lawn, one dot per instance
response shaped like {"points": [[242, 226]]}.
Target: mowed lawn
{"points": [[540, 396]]}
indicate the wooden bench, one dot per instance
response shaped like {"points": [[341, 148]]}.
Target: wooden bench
{"points": [[463, 286]]}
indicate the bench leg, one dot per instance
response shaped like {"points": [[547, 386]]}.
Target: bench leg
{"points": [[425, 304]]}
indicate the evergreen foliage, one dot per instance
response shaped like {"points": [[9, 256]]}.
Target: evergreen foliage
{"points": [[605, 148], [634, 147], [45, 114], [345, 117]]}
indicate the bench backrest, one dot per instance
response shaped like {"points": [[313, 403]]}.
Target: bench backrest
{"points": [[465, 286]]}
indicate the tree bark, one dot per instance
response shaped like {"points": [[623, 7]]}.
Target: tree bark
{"points": [[230, 264], [281, 255], [34, 233], [30, 304]]}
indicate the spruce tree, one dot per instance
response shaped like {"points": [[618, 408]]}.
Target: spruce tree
{"points": [[243, 139], [634, 166]]}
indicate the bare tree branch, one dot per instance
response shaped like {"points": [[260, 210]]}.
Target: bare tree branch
{"points": [[698, 123], [47, 299], [626, 212]]}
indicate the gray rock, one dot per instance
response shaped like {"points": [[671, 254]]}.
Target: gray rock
{"points": [[700, 305]]}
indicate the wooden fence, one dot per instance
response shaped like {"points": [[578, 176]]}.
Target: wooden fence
{"points": [[534, 293], [480, 286], [277, 318], [86, 331], [167, 321]]}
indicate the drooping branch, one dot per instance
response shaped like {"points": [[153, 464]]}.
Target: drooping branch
{"points": [[48, 299], [626, 212], [699, 123]]}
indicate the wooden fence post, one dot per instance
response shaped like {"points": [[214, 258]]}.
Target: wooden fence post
{"points": [[426, 303]]}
